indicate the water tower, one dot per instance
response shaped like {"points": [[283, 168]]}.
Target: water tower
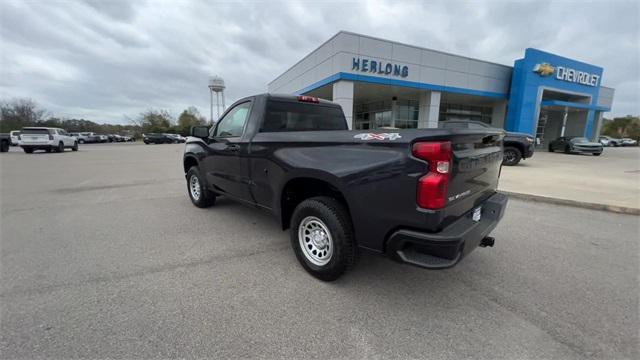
{"points": [[216, 85]]}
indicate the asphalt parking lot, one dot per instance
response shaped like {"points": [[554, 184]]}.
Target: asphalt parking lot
{"points": [[103, 256]]}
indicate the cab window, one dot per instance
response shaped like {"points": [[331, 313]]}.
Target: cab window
{"points": [[232, 124]]}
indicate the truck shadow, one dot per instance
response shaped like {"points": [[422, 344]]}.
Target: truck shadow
{"points": [[371, 271]]}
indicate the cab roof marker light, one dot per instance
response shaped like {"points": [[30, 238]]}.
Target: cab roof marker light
{"points": [[309, 99]]}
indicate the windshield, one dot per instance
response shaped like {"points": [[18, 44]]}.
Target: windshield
{"points": [[579, 140]]}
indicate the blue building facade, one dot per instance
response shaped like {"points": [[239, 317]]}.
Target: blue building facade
{"points": [[576, 85], [381, 83]]}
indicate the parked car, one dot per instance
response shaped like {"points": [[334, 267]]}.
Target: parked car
{"points": [[127, 138], [629, 142], [609, 141], [82, 137], [86, 137], [425, 197], [48, 139], [15, 134], [5, 142], [575, 144], [102, 138], [517, 146], [177, 138], [153, 138]]}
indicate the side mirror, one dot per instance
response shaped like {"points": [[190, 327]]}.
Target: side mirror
{"points": [[200, 132]]}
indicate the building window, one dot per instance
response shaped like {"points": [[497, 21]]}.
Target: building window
{"points": [[379, 114], [465, 112]]}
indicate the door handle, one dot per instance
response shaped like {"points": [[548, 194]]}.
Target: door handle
{"points": [[233, 148]]}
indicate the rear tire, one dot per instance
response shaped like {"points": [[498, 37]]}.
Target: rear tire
{"points": [[4, 146], [597, 154], [196, 188], [75, 146], [512, 156], [550, 148], [323, 225], [567, 149]]}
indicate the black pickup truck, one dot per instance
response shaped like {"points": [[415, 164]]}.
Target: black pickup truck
{"points": [[5, 142], [423, 196], [517, 146]]}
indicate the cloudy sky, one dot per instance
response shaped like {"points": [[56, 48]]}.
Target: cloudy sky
{"points": [[104, 60]]}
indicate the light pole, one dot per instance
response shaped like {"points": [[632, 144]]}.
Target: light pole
{"points": [[216, 85]]}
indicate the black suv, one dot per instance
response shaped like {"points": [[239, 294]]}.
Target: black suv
{"points": [[517, 146], [153, 138]]}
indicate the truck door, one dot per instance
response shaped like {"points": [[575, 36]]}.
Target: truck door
{"points": [[226, 165]]}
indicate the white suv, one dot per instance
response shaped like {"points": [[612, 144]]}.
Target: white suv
{"points": [[48, 139]]}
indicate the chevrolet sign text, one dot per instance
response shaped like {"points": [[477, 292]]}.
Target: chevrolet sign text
{"points": [[580, 77]]}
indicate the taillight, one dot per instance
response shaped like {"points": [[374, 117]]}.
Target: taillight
{"points": [[432, 188], [311, 99]]}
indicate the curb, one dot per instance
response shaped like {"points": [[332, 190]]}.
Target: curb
{"points": [[580, 204]]}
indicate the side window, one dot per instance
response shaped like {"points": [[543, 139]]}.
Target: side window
{"points": [[232, 124]]}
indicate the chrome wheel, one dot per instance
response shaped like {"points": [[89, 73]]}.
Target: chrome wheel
{"points": [[194, 187], [315, 240]]}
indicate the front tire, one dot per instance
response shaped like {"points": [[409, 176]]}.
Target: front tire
{"points": [[597, 154], [198, 193], [60, 148], [322, 237], [512, 156], [75, 146]]}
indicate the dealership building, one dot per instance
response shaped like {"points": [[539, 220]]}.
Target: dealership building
{"points": [[381, 83]]}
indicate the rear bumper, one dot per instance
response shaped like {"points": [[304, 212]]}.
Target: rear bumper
{"points": [[39, 147], [444, 249]]}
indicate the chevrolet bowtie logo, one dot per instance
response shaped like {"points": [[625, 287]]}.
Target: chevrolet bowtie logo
{"points": [[544, 69]]}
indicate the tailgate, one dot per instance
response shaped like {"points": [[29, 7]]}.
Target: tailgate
{"points": [[34, 136], [476, 164]]}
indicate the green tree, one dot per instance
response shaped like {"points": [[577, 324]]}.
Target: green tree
{"points": [[189, 117], [18, 113], [628, 126], [155, 121]]}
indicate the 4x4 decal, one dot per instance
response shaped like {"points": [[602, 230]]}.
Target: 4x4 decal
{"points": [[374, 136]]}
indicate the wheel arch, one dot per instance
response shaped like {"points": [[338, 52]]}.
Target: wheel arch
{"points": [[515, 144], [298, 189], [188, 162]]}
